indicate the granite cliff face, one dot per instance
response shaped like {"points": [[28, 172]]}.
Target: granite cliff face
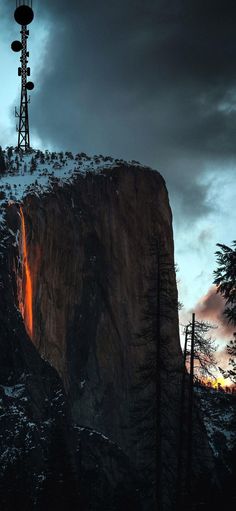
{"points": [[89, 248], [46, 460]]}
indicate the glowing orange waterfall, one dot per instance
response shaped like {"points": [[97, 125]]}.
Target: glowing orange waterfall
{"points": [[27, 295]]}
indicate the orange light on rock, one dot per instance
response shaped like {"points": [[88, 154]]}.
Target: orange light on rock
{"points": [[26, 306]]}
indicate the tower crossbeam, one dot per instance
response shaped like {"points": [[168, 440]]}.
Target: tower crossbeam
{"points": [[24, 16]]}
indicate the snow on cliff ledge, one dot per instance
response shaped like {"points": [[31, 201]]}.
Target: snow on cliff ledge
{"points": [[37, 171]]}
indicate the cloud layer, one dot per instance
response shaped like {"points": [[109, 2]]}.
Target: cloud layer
{"points": [[153, 81], [211, 308]]}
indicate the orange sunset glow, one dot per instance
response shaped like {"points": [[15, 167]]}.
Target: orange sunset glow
{"points": [[26, 306], [215, 382]]}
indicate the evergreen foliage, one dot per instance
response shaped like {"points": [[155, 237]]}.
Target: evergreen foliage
{"points": [[33, 165], [231, 351], [2, 162], [155, 380], [225, 278], [10, 152]]}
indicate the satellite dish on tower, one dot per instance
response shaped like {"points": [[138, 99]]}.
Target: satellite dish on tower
{"points": [[30, 85], [24, 15], [16, 46]]}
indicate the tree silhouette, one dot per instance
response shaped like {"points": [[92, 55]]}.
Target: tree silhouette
{"points": [[10, 152], [231, 371], [225, 278], [33, 165], [154, 407], [204, 349], [198, 358], [2, 162]]}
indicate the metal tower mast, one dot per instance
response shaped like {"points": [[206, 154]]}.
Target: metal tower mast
{"points": [[23, 15]]}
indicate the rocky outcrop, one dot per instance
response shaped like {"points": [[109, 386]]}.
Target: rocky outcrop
{"points": [[95, 249], [89, 253], [46, 462]]}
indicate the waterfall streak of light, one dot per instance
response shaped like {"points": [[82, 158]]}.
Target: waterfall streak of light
{"points": [[27, 296]]}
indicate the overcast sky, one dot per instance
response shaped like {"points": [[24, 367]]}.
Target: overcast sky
{"points": [[153, 81]]}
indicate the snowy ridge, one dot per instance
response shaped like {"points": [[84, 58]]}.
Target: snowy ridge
{"points": [[36, 171]]}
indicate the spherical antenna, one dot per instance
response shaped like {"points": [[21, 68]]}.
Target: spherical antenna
{"points": [[24, 15], [16, 46], [30, 85]]}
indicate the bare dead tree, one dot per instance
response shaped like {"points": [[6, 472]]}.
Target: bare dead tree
{"points": [[198, 360], [204, 349]]}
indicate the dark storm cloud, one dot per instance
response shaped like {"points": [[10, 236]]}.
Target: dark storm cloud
{"points": [[153, 81]]}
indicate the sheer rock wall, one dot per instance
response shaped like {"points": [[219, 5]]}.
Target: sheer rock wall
{"points": [[89, 253]]}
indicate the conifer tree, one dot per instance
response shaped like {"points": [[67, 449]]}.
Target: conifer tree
{"points": [[225, 278], [231, 351], [155, 381], [2, 162], [42, 158], [10, 153], [33, 165]]}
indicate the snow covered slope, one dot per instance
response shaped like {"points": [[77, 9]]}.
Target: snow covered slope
{"points": [[219, 416], [36, 171]]}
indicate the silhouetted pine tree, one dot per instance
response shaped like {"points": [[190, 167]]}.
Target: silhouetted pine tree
{"points": [[231, 351], [10, 152], [2, 162], [225, 278], [198, 358], [151, 411], [17, 163], [33, 165]]}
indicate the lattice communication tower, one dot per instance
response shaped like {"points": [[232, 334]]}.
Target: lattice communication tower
{"points": [[23, 15]]}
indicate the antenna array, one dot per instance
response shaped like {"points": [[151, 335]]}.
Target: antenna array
{"points": [[23, 15]]}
